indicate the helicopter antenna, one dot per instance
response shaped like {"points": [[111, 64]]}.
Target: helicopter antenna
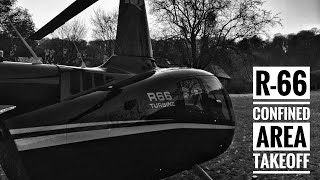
{"points": [[83, 64], [35, 60]]}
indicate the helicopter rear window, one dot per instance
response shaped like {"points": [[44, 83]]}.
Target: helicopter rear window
{"points": [[205, 95], [86, 80], [74, 82], [98, 79]]}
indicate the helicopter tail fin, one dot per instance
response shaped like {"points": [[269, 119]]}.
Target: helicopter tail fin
{"points": [[133, 50], [133, 37]]}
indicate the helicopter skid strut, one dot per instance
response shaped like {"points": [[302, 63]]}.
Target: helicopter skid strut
{"points": [[201, 173]]}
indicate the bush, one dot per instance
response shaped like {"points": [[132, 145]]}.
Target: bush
{"points": [[239, 86]]}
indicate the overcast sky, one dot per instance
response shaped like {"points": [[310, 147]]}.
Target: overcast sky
{"points": [[297, 15]]}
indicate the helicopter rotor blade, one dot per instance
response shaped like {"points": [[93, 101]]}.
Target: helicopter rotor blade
{"points": [[71, 11]]}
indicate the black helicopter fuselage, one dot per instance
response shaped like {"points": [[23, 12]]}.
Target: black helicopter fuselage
{"points": [[126, 119], [80, 123]]}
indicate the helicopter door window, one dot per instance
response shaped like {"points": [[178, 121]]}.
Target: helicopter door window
{"points": [[86, 80], [75, 82], [65, 85], [98, 79]]}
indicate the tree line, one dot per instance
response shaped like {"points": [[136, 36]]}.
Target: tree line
{"points": [[190, 33]]}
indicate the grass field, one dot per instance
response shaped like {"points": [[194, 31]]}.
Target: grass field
{"points": [[238, 160]]}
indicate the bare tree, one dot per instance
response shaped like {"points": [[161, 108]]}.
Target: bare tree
{"points": [[104, 28], [74, 30], [209, 26]]}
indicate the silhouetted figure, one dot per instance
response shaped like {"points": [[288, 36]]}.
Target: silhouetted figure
{"points": [[1, 56]]}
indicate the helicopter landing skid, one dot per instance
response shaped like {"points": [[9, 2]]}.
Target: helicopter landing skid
{"points": [[203, 175]]}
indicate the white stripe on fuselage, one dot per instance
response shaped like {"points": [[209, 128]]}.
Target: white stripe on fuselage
{"points": [[6, 108], [77, 125], [74, 137]]}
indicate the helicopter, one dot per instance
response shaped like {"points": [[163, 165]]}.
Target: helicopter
{"points": [[125, 119]]}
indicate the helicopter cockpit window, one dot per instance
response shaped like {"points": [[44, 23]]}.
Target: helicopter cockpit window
{"points": [[191, 89], [217, 93], [205, 95]]}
